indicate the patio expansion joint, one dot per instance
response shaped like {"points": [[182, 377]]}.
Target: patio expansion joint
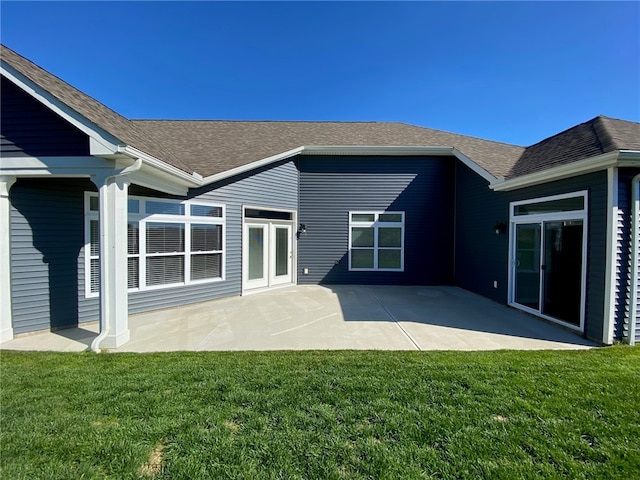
{"points": [[394, 319]]}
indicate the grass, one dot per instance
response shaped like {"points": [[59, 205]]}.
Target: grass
{"points": [[326, 415]]}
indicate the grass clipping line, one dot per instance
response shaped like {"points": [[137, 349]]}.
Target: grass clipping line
{"points": [[154, 464]]}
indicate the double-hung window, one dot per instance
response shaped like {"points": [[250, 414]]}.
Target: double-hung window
{"points": [[169, 243], [376, 241]]}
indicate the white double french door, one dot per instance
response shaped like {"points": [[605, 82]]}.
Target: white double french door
{"points": [[267, 255]]}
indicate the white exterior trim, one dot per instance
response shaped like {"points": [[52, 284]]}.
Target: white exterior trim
{"points": [[6, 322], [268, 225], [541, 218], [376, 224], [611, 254], [353, 150], [619, 158], [102, 142], [635, 251]]}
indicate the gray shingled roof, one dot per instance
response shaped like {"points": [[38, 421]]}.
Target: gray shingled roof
{"points": [[209, 147], [595, 137], [94, 111]]}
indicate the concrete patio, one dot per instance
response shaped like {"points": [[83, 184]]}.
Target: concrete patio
{"points": [[321, 317]]}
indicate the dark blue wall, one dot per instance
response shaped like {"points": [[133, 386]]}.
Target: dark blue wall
{"points": [[481, 256], [47, 238], [330, 187], [29, 128]]}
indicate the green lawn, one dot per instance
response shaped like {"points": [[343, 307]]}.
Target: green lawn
{"points": [[511, 415]]}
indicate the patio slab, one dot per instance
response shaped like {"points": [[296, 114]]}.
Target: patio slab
{"points": [[328, 317]]}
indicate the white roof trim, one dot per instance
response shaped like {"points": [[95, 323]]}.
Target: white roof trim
{"points": [[353, 150], [620, 158], [100, 139], [250, 166]]}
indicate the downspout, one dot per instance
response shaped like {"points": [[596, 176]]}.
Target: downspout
{"points": [[633, 307], [104, 328]]}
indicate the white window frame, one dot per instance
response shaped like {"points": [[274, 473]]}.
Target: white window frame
{"points": [[541, 218], [142, 219], [376, 225]]}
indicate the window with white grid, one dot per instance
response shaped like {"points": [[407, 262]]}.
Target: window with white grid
{"points": [[169, 243]]}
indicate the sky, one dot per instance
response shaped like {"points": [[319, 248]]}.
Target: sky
{"points": [[515, 72]]}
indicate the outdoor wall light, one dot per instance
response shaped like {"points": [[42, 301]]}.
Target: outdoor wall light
{"points": [[301, 229], [499, 228]]}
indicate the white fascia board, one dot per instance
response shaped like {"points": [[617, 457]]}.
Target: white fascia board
{"points": [[396, 151], [617, 158], [475, 167], [250, 166], [352, 150], [56, 166], [101, 141], [180, 176]]}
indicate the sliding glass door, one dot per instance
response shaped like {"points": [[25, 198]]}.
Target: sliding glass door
{"points": [[548, 257]]}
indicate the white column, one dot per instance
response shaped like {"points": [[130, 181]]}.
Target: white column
{"points": [[6, 325], [114, 316]]}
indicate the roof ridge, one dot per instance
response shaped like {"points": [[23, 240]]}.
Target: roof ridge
{"points": [[463, 135]]}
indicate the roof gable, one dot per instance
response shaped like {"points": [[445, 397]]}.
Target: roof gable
{"points": [[589, 139]]}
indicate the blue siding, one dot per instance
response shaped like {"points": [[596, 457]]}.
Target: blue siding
{"points": [[29, 128], [624, 260], [332, 186], [596, 185], [47, 240], [47, 246], [481, 256], [275, 186]]}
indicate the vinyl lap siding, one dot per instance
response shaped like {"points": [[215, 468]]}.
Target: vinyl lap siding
{"points": [[481, 256], [269, 187], [623, 257], [596, 185], [47, 239], [421, 187], [29, 128]]}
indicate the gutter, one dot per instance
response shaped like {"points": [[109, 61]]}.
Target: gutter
{"points": [[104, 327], [410, 150], [635, 211], [619, 158]]}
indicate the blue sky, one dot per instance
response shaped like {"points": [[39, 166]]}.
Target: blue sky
{"points": [[515, 72]]}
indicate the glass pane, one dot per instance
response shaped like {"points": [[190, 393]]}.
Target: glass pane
{"points": [[133, 274], [562, 274], [206, 266], [282, 251], [256, 253], [95, 275], [389, 259], [165, 270], [389, 237], [134, 206], [390, 217], [165, 208], [362, 236], [206, 211], [527, 267], [94, 203], [94, 238], [563, 205], [362, 258], [165, 237], [205, 238], [133, 236], [363, 217], [267, 214]]}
